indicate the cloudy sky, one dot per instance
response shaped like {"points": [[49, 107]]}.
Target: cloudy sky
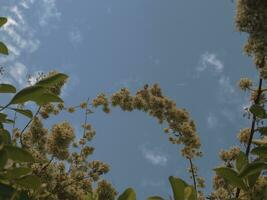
{"points": [[189, 47]]}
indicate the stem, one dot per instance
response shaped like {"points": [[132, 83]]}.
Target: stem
{"points": [[193, 173], [252, 130], [191, 167], [20, 137], [47, 164], [254, 119], [3, 108], [85, 117]]}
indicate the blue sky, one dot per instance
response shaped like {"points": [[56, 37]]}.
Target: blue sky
{"points": [[190, 48]]}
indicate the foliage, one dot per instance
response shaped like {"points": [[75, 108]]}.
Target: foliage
{"points": [[38, 163], [51, 163]]}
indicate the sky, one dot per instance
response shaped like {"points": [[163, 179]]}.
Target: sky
{"points": [[191, 48]]}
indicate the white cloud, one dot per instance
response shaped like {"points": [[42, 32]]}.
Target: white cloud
{"points": [[20, 35], [75, 37], [225, 84], [210, 60], [226, 90], [18, 73], [49, 11], [154, 157], [228, 114], [212, 121]]}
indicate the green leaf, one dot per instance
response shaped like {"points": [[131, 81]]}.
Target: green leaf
{"points": [[263, 130], [155, 198], [128, 194], [17, 154], [26, 113], [252, 179], [252, 168], [3, 159], [31, 93], [9, 121], [2, 117], [7, 88], [241, 161], [3, 49], [3, 21], [5, 136], [231, 176], [6, 191], [178, 187], [17, 172], [23, 196], [188, 192], [258, 111], [262, 195], [260, 151], [29, 182], [52, 80], [48, 98]]}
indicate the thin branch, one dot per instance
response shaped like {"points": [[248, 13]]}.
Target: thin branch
{"points": [[85, 117], [21, 133], [47, 164], [252, 130], [193, 173], [3, 108], [191, 166]]}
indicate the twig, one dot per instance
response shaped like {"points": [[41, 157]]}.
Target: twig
{"points": [[47, 164], [21, 133], [252, 130], [193, 173], [191, 166]]}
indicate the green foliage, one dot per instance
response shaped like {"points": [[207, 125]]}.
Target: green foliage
{"points": [[260, 151], [128, 194], [252, 168], [181, 191], [178, 187], [241, 161], [17, 154], [258, 111], [29, 182], [14, 173], [25, 112], [3, 49], [3, 21], [52, 80], [231, 177], [7, 88], [28, 169], [155, 198]]}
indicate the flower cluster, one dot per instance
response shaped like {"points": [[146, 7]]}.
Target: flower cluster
{"points": [[65, 173], [101, 100], [105, 191], [59, 140], [243, 135], [245, 83], [251, 18], [98, 168], [181, 128], [229, 155]]}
